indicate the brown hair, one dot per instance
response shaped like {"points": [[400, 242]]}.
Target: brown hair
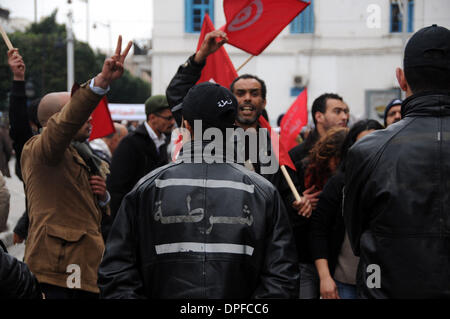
{"points": [[318, 161]]}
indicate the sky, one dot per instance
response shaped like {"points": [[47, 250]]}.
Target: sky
{"points": [[133, 19]]}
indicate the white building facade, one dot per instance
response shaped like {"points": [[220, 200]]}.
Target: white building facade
{"points": [[348, 47]]}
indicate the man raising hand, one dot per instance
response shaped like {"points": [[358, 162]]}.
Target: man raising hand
{"points": [[65, 189]]}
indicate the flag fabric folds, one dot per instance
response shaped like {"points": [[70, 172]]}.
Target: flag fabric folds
{"points": [[102, 124], [219, 68], [294, 120], [280, 152], [253, 24]]}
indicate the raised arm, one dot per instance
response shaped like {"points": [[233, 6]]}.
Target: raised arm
{"points": [[20, 130], [62, 127], [189, 73]]}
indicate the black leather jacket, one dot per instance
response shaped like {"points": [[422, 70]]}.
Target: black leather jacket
{"points": [[397, 204], [198, 230], [16, 280]]}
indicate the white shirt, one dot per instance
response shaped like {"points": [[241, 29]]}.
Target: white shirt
{"points": [[159, 141]]}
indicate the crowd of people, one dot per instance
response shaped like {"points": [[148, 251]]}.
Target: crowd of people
{"points": [[120, 217]]}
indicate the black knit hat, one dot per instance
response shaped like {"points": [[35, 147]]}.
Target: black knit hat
{"points": [[394, 102]]}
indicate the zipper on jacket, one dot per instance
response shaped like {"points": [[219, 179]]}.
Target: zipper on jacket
{"points": [[441, 181]]}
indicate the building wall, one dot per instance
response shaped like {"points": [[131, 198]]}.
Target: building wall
{"points": [[343, 55]]}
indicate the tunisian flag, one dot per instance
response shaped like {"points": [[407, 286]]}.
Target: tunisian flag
{"points": [[293, 121], [253, 24], [218, 68], [102, 124], [281, 153]]}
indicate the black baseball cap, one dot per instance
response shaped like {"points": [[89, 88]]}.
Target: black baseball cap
{"points": [[429, 47], [212, 103]]}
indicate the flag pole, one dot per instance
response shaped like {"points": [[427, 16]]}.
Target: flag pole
{"points": [[246, 61], [290, 183], [5, 37]]}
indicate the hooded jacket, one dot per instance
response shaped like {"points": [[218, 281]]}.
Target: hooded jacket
{"points": [[196, 229], [397, 204]]}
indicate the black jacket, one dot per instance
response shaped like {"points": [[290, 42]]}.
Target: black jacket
{"points": [[20, 132], [327, 223], [16, 280], [302, 225], [397, 204], [135, 157], [187, 75], [198, 230]]}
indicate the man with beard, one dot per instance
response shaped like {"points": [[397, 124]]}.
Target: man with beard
{"points": [[250, 92], [139, 153]]}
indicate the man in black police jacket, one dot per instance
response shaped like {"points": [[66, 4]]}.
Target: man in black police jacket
{"points": [[397, 203], [203, 226]]}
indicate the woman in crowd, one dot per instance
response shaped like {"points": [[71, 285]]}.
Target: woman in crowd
{"points": [[334, 259], [319, 166]]}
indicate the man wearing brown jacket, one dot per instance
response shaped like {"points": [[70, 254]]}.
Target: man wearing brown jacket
{"points": [[66, 190]]}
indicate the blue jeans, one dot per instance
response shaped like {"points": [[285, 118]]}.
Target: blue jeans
{"points": [[309, 282], [346, 291]]}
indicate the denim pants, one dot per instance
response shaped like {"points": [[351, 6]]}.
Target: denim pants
{"points": [[346, 291], [309, 282]]}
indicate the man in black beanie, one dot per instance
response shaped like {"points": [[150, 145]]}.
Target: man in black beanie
{"points": [[203, 226], [397, 204], [393, 112]]}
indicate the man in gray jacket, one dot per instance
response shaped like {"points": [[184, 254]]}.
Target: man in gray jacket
{"points": [[203, 226]]}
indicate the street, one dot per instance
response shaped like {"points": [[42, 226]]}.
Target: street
{"points": [[16, 209]]}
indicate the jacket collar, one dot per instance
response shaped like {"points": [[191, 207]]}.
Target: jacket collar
{"points": [[141, 130], [195, 150], [430, 103]]}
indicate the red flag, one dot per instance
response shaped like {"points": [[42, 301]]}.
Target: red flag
{"points": [[218, 68], [293, 121], [102, 124], [280, 152], [253, 24]]}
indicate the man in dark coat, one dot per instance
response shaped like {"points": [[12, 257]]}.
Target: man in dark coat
{"points": [[397, 204], [139, 153], [203, 226], [16, 279]]}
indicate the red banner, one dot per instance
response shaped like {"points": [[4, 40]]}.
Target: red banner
{"points": [[293, 121], [253, 24], [102, 124], [219, 68], [280, 152]]}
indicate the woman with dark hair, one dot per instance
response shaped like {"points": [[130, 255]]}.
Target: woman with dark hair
{"points": [[320, 165], [330, 247]]}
